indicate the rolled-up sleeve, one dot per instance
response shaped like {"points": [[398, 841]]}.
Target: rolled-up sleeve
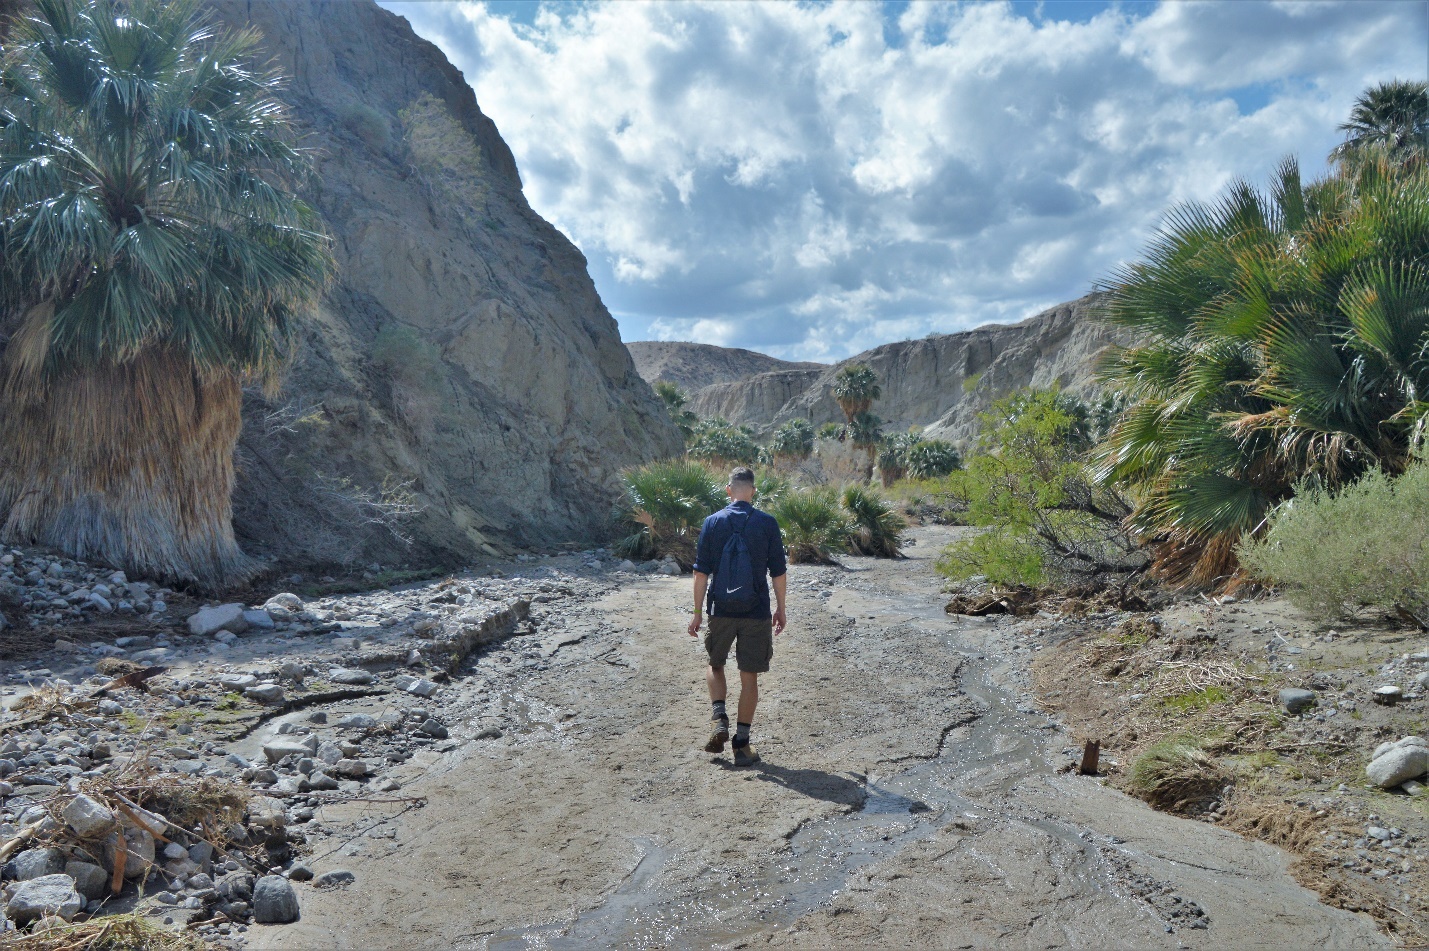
{"points": [[777, 563], [706, 558]]}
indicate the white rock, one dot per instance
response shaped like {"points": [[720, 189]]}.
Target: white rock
{"points": [[258, 619], [347, 675], [265, 693], [1398, 765], [87, 816], [1383, 748], [423, 688], [287, 600], [237, 681], [265, 812], [276, 750], [209, 621]]}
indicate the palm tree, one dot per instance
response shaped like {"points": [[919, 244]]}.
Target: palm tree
{"points": [[1284, 340], [855, 389], [675, 401], [865, 432], [1390, 119], [932, 459], [876, 529], [665, 504], [813, 524], [155, 259], [893, 457], [794, 441]]}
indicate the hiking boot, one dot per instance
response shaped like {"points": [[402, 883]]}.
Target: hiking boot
{"points": [[745, 755], [719, 737]]}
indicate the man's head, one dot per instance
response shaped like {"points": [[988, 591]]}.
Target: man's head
{"points": [[741, 484]]}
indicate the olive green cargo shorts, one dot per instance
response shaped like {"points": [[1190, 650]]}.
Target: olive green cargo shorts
{"points": [[752, 639]]}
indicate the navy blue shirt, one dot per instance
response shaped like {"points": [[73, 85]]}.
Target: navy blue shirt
{"points": [[766, 551]]}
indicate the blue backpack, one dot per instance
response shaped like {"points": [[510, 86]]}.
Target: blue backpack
{"points": [[733, 590]]}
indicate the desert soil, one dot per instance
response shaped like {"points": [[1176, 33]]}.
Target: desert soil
{"points": [[910, 794]]}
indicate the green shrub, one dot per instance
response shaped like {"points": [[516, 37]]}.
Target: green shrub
{"points": [[447, 157], [876, 529], [1366, 546], [1176, 774], [367, 124], [665, 503], [813, 525], [830, 431], [722, 444], [769, 489], [1028, 486], [406, 356]]}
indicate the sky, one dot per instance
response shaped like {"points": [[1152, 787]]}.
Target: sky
{"points": [[813, 179]]}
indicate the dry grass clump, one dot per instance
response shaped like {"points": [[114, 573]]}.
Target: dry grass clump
{"points": [[206, 803], [1176, 775], [126, 932]]}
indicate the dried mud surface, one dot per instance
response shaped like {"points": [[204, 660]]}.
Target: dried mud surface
{"points": [[909, 796]]}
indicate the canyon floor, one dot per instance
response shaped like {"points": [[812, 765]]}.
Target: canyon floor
{"points": [[910, 794]]}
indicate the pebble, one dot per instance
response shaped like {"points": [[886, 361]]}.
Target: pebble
{"points": [[334, 878]]}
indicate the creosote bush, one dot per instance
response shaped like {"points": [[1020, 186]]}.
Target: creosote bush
{"points": [[1365, 546]]}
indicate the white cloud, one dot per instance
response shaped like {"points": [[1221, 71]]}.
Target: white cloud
{"points": [[814, 179]]}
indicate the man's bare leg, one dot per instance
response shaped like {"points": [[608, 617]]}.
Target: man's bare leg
{"points": [[714, 678], [748, 695]]}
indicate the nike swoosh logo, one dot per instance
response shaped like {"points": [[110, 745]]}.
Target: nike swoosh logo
{"points": [[733, 590]]}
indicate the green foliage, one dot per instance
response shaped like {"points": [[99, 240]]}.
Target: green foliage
{"points": [[769, 489], [830, 431], [1194, 701], [1283, 340], [892, 458], [406, 356], [665, 503], [793, 441], [722, 444], [675, 400], [855, 390], [368, 124], [1365, 546], [1176, 773], [1028, 486], [813, 524], [876, 528], [932, 459], [971, 382], [447, 157], [149, 194], [1390, 120]]}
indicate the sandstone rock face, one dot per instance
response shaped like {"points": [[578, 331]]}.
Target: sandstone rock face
{"points": [[694, 366], [502, 404], [940, 382]]}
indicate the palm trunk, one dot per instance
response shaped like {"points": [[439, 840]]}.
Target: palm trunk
{"points": [[128, 465]]}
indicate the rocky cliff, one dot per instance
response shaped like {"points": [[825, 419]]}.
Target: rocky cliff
{"points": [[694, 366], [462, 388], [940, 382]]}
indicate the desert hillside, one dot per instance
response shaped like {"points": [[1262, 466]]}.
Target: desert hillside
{"points": [[693, 366], [462, 386], [939, 382]]}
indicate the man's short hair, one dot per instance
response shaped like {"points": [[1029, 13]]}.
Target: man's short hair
{"points": [[741, 474]]}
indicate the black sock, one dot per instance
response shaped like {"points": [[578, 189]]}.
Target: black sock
{"points": [[741, 735], [719, 713]]}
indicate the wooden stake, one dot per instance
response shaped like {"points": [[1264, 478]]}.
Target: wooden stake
{"points": [[1091, 753]]}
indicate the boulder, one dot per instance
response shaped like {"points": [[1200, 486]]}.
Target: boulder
{"points": [[1388, 695], [258, 620], [46, 895], [209, 621], [265, 812], [274, 901], [1295, 700], [237, 681], [37, 863], [265, 693], [91, 881], [87, 816], [286, 600], [1398, 765], [277, 749], [349, 676], [235, 886], [139, 845]]}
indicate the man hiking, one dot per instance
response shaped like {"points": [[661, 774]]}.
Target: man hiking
{"points": [[738, 546]]}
